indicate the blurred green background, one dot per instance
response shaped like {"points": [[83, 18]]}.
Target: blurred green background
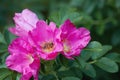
{"points": [[101, 17]]}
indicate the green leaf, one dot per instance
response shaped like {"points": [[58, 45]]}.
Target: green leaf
{"points": [[12, 76], [63, 14], [92, 50], [107, 65], [74, 72], [114, 56], [89, 70], [94, 46], [105, 49], [2, 39], [85, 54], [3, 58], [9, 77], [8, 36], [81, 62], [74, 17], [71, 78], [18, 76], [4, 73], [2, 66], [3, 48], [89, 6]]}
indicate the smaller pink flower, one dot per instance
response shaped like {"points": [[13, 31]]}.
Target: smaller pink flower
{"points": [[24, 22], [46, 39], [73, 40], [23, 59]]}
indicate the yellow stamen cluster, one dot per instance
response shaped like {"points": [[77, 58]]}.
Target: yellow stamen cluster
{"points": [[48, 47]]}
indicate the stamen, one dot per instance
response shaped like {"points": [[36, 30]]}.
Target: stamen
{"points": [[47, 47], [66, 47], [29, 56]]}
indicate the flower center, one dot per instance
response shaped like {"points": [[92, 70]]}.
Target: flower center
{"points": [[48, 47], [66, 47], [29, 56]]}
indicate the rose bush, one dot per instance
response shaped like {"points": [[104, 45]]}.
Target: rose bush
{"points": [[47, 42]]}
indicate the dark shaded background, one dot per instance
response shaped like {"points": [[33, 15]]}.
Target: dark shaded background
{"points": [[102, 17]]}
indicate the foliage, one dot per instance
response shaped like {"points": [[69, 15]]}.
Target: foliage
{"points": [[94, 55], [96, 62]]}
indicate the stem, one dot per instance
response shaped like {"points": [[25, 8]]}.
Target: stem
{"points": [[92, 62]]}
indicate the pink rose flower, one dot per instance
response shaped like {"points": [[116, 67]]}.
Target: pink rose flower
{"points": [[24, 22], [46, 38], [73, 40], [23, 59], [38, 40]]}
